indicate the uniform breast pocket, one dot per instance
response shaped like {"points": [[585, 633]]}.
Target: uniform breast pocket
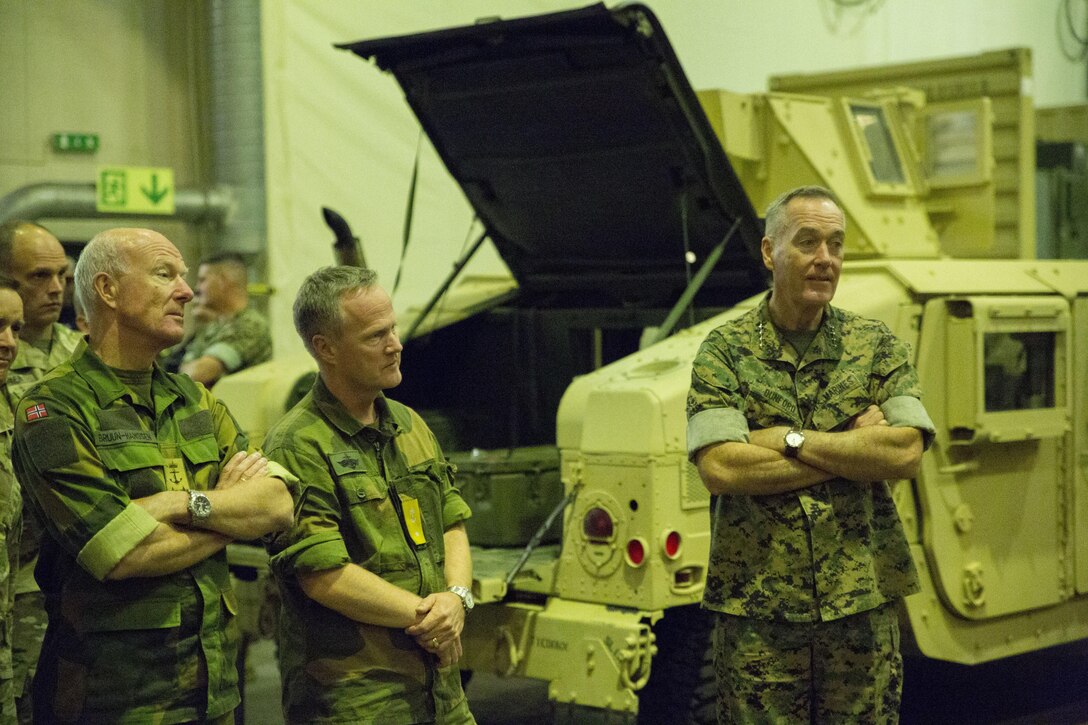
{"points": [[423, 486], [372, 528], [202, 455], [138, 465], [841, 401]]}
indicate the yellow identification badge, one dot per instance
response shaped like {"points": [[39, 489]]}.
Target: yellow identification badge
{"points": [[413, 519], [176, 478]]}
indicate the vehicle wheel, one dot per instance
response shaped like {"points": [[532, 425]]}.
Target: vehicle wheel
{"points": [[681, 688]]}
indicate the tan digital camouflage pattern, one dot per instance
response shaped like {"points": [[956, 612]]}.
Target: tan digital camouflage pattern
{"points": [[31, 363], [335, 669], [28, 367], [238, 341], [832, 549], [11, 515], [846, 671], [155, 649]]}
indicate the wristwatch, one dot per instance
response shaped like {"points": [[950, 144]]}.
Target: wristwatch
{"points": [[794, 439], [200, 507], [466, 597]]}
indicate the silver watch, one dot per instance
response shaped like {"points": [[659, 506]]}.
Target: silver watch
{"points": [[793, 439], [200, 507], [466, 597]]}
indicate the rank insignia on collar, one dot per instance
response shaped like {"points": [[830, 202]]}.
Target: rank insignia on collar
{"points": [[36, 412]]}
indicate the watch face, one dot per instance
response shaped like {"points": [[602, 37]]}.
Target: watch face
{"points": [[200, 506]]}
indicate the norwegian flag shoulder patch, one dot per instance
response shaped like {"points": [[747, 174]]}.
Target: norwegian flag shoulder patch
{"points": [[36, 412]]}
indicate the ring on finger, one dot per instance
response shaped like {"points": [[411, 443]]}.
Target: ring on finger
{"points": [[434, 642]]}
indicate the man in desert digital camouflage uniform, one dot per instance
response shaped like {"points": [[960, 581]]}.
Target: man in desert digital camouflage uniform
{"points": [[233, 335], [798, 413]]}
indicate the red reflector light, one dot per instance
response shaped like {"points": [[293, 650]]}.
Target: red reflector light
{"points": [[636, 552], [672, 544], [597, 524]]}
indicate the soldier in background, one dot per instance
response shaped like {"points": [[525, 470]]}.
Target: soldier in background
{"points": [[375, 573], [232, 335], [11, 502], [798, 413], [35, 259], [141, 478]]}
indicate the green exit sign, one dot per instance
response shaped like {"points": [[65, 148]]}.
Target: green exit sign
{"points": [[75, 143]]}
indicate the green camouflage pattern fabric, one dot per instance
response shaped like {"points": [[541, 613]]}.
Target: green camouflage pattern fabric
{"points": [[829, 550], [846, 671], [28, 367], [11, 515], [353, 481], [31, 363], [153, 649], [238, 341]]}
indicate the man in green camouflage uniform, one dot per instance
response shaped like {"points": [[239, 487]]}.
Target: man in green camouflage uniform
{"points": [[11, 501], [234, 335], [34, 258], [375, 572], [141, 479], [798, 413]]}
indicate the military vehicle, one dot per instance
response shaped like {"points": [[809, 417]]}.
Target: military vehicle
{"points": [[625, 206]]}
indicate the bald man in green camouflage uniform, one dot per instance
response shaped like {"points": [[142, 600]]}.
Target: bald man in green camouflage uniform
{"points": [[798, 413], [375, 573], [141, 478]]}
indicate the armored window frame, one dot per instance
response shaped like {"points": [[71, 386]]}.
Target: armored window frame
{"points": [[957, 143], [877, 141], [1040, 323]]}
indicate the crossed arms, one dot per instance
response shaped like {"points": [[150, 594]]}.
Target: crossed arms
{"points": [[868, 450], [247, 503]]}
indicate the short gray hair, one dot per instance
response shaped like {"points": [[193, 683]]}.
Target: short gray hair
{"points": [[106, 252], [776, 217], [317, 306]]}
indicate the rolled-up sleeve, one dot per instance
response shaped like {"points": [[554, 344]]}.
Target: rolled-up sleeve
{"points": [[116, 539], [714, 401], [716, 425], [908, 412], [87, 511], [314, 542], [899, 393]]}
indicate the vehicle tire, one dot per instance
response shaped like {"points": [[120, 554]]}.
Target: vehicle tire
{"points": [[681, 689]]}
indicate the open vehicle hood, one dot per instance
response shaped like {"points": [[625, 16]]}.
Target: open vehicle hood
{"points": [[582, 147]]}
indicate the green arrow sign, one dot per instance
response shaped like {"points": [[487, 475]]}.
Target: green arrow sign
{"points": [[135, 190]]}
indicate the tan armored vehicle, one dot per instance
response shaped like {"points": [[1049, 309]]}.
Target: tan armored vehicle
{"points": [[625, 206]]}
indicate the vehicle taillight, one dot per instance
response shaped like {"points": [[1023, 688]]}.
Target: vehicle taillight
{"points": [[597, 525], [636, 552], [672, 544]]}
